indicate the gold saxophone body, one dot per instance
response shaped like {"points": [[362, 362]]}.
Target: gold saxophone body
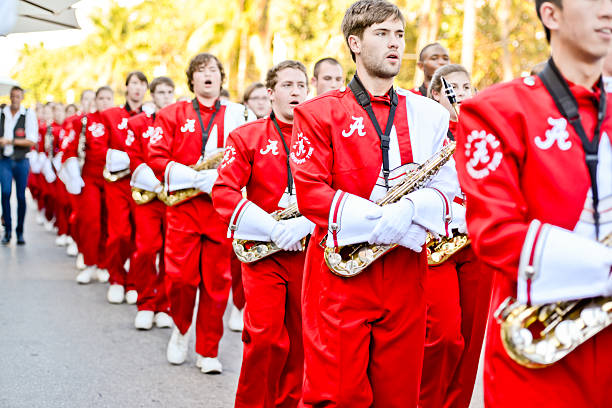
{"points": [[115, 175], [211, 162], [440, 250], [351, 260], [538, 336], [250, 251], [141, 196]]}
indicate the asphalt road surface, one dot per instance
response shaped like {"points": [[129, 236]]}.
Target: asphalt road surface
{"points": [[63, 345]]}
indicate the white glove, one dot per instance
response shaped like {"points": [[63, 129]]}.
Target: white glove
{"points": [[394, 223], [74, 185], [458, 221], [47, 171], [414, 238], [205, 179], [288, 234]]}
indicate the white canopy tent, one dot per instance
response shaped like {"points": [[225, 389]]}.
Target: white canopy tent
{"points": [[24, 16], [5, 85]]}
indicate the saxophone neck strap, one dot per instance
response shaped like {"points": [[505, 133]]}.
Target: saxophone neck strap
{"points": [[289, 175], [568, 107], [363, 98], [205, 132]]}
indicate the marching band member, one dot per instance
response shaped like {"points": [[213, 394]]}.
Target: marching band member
{"points": [[197, 252], [257, 157], [118, 195], [84, 158], [535, 161], [86, 106], [364, 335], [458, 291], [149, 218], [46, 168], [59, 194], [431, 57], [327, 75]]}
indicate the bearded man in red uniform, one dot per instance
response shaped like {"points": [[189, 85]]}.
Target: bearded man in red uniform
{"points": [[537, 173], [149, 218], [364, 335], [118, 195], [84, 158], [257, 159], [197, 252]]}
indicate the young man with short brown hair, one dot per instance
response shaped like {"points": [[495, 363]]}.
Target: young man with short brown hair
{"points": [[364, 335]]}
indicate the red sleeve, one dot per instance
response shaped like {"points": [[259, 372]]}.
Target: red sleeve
{"points": [[488, 158], [133, 143], [71, 141], [311, 163], [104, 118], [160, 142], [234, 174]]}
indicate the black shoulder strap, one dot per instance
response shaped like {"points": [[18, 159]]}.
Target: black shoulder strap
{"points": [[205, 132], [2, 124], [289, 175], [363, 98], [568, 107]]}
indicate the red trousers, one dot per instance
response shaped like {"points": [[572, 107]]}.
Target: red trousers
{"points": [[92, 222], [120, 227], [363, 336], [273, 355], [583, 379], [237, 287], [34, 187], [148, 280], [458, 294], [48, 193], [198, 260], [62, 208]]}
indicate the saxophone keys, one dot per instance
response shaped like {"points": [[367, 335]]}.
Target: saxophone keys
{"points": [[334, 259], [593, 316], [567, 333], [366, 255]]}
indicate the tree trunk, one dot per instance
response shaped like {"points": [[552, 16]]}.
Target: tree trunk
{"points": [[469, 34], [504, 28], [428, 30]]}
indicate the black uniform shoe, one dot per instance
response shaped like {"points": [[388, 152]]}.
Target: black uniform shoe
{"points": [[6, 240], [20, 240]]}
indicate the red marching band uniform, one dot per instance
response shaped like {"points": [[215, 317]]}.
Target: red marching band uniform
{"points": [[364, 336], [272, 366], [197, 251], [84, 159], [458, 294], [522, 167], [149, 219], [118, 196]]}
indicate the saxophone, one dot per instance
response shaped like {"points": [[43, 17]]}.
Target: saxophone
{"points": [[141, 196], [211, 162], [538, 336], [351, 260], [439, 250], [250, 251]]}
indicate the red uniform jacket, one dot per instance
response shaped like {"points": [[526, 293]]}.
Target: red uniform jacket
{"points": [[335, 147], [140, 128], [96, 144], [518, 160], [255, 159], [178, 137], [115, 120]]}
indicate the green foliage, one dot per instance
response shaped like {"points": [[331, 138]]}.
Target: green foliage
{"points": [[159, 36]]}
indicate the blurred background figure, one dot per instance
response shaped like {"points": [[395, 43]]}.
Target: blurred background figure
{"points": [[256, 99], [328, 75]]}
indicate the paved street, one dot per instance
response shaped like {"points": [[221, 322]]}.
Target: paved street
{"points": [[63, 345]]}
